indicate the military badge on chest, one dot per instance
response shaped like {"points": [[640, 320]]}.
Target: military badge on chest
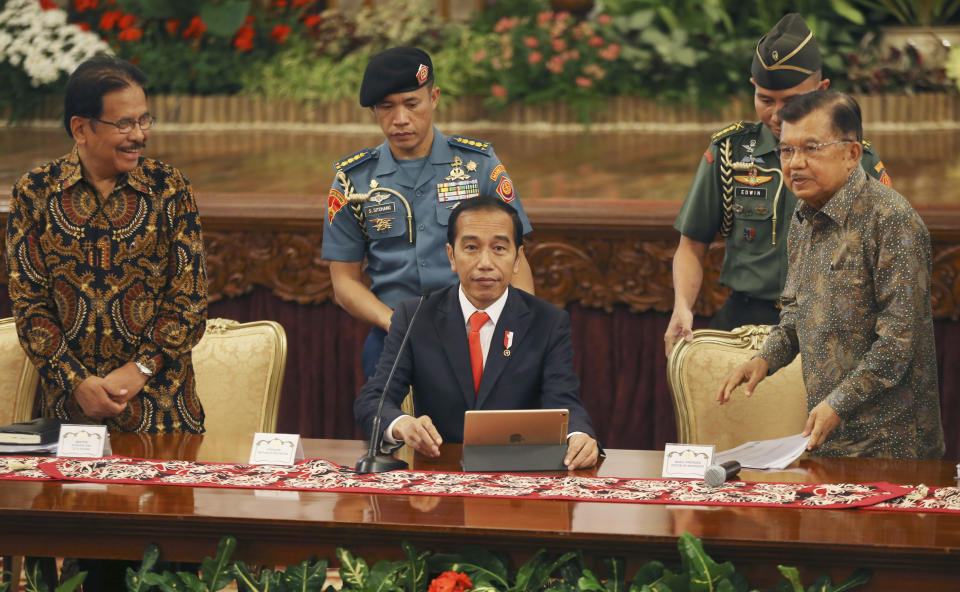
{"points": [[458, 185]]}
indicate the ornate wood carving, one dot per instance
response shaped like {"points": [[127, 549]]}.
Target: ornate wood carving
{"points": [[597, 266]]}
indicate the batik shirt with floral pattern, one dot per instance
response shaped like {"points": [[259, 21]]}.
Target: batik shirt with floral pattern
{"points": [[856, 306], [99, 281]]}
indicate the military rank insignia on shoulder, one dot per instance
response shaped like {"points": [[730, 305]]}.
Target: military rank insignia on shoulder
{"points": [[733, 129], [355, 159], [470, 144]]}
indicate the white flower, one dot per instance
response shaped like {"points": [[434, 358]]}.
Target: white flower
{"points": [[42, 43]]}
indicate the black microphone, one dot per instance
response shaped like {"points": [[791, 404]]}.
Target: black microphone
{"points": [[374, 462], [717, 475]]}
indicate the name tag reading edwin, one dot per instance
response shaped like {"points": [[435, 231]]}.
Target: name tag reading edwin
{"points": [[83, 441], [276, 449], [686, 461]]}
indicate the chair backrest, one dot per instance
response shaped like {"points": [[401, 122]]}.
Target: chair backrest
{"points": [[19, 387], [239, 369], [697, 369]]}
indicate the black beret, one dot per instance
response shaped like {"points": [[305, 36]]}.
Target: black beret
{"points": [[786, 56], [395, 70]]}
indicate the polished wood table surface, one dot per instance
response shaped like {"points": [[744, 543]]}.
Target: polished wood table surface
{"points": [[283, 527]]}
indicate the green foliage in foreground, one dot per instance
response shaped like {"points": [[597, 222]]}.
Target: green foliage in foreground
{"points": [[488, 572]]}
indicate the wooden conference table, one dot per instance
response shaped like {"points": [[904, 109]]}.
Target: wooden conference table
{"points": [[272, 527]]}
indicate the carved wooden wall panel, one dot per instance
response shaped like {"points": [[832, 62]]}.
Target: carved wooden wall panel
{"points": [[597, 267]]}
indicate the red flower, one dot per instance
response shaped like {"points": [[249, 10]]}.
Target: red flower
{"points": [[531, 41], [604, 19], [450, 581], [84, 26], [312, 20], [196, 28], [534, 57], [250, 19], [595, 41], [583, 82], [280, 33], [48, 4], [610, 52], [282, 3], [126, 21], [172, 25], [109, 19], [84, 5], [558, 44], [243, 40], [131, 34], [500, 93]]}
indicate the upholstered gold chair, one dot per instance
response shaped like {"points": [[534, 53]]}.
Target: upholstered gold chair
{"points": [[240, 368], [697, 369], [17, 392], [19, 385]]}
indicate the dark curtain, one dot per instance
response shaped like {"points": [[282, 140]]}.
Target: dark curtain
{"points": [[618, 355]]}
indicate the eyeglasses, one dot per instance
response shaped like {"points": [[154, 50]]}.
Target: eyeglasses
{"points": [[786, 152], [125, 125]]}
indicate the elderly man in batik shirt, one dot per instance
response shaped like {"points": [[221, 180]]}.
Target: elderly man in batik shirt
{"points": [[105, 259], [856, 303]]}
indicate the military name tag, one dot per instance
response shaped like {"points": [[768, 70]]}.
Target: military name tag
{"points": [[753, 192], [387, 208], [457, 190]]}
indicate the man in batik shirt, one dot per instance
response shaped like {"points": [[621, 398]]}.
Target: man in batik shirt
{"points": [[856, 304], [105, 259]]}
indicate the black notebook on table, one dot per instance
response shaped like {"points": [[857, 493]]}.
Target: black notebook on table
{"points": [[43, 430]]}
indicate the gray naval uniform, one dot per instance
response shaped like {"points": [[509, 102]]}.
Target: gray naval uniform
{"points": [[405, 258], [739, 192]]}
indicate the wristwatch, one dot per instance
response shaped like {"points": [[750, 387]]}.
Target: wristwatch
{"points": [[143, 369]]}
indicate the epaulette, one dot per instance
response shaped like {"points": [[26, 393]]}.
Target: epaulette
{"points": [[470, 144], [355, 159], [867, 146], [734, 128]]}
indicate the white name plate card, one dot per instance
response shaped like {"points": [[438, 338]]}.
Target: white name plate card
{"points": [[276, 449], [83, 441], [686, 461]]}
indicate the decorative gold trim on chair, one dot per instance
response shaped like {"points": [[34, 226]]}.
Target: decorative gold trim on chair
{"points": [[270, 403], [777, 408], [20, 402]]}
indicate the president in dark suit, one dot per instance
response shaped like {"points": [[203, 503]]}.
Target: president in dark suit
{"points": [[480, 344]]}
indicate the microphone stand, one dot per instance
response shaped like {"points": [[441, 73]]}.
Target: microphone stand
{"points": [[374, 462]]}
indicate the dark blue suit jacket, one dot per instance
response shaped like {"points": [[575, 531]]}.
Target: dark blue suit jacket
{"points": [[538, 373]]}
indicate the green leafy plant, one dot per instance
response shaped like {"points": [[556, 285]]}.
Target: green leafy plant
{"points": [[921, 13], [474, 568]]}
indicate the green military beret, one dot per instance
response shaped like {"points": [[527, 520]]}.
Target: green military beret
{"points": [[394, 70], [786, 56]]}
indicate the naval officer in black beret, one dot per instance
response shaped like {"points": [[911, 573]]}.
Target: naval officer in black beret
{"points": [[388, 206]]}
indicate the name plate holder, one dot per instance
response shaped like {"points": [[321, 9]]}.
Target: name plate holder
{"points": [[276, 449], [686, 461], [513, 457], [83, 441]]}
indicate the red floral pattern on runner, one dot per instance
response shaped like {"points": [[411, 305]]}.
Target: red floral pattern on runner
{"points": [[321, 475]]}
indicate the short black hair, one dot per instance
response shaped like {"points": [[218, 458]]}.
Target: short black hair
{"points": [[845, 111], [91, 80], [484, 202]]}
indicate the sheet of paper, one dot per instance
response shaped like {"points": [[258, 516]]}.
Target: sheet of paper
{"points": [[766, 454], [27, 448]]}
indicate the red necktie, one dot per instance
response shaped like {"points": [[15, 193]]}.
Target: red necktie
{"points": [[477, 320]]}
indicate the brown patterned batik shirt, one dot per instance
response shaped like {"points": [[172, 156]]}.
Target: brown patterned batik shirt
{"points": [[856, 306], [97, 282]]}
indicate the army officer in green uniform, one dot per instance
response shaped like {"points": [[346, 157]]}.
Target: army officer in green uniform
{"points": [[389, 205], [739, 192]]}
